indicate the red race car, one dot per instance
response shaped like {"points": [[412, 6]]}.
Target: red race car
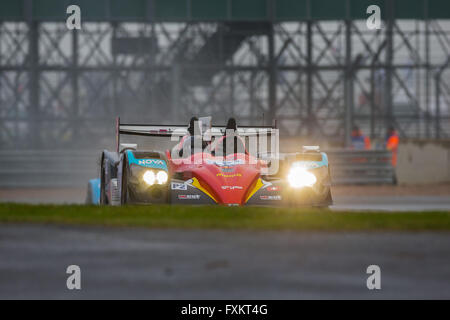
{"points": [[213, 167]]}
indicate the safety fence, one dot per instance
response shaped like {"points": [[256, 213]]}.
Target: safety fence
{"points": [[47, 168], [74, 168], [361, 167]]}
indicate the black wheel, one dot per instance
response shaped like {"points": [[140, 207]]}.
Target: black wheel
{"points": [[329, 198], [327, 201], [124, 187], [103, 198]]}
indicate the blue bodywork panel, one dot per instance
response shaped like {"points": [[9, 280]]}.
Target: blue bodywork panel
{"points": [[148, 163], [313, 164], [324, 161], [94, 190]]}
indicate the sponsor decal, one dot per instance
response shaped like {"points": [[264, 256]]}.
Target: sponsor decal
{"points": [[178, 186], [188, 196], [144, 162], [232, 187], [227, 169], [148, 163], [273, 188], [229, 175], [270, 197], [226, 162]]}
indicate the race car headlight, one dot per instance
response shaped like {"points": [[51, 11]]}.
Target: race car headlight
{"points": [[149, 177], [162, 177], [300, 177]]}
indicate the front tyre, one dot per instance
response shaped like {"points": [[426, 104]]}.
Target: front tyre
{"points": [[327, 202], [103, 197], [124, 186]]}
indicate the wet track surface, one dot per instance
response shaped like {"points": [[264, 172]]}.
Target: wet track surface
{"points": [[343, 199], [180, 264], [140, 263], [392, 203]]}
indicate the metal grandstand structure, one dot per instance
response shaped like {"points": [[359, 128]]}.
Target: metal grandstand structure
{"points": [[311, 64]]}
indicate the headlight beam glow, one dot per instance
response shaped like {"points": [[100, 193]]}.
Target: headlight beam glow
{"points": [[300, 177], [162, 177], [149, 177]]}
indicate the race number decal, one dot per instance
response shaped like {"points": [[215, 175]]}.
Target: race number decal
{"points": [[178, 186]]}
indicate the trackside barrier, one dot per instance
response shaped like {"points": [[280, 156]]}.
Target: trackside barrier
{"points": [[74, 168], [360, 167], [47, 168]]}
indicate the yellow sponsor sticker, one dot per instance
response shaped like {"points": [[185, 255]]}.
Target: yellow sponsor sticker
{"points": [[229, 175]]}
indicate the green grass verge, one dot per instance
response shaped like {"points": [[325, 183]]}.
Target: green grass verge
{"points": [[215, 217]]}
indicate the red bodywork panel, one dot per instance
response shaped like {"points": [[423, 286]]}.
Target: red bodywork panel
{"points": [[229, 180]]}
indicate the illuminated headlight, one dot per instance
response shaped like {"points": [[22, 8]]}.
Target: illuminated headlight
{"points": [[300, 177], [149, 177], [161, 177]]}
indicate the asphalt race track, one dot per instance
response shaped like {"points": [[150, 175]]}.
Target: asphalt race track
{"points": [[154, 264], [199, 264], [392, 203], [343, 200]]}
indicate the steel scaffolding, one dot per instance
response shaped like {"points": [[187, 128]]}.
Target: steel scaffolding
{"points": [[317, 77]]}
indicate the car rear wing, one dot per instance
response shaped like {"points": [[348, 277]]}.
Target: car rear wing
{"points": [[151, 130]]}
